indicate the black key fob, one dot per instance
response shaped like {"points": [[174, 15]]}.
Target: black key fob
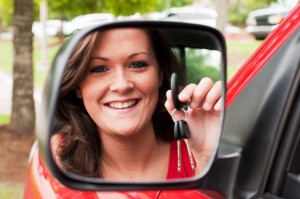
{"points": [[184, 129], [181, 130], [175, 91]]}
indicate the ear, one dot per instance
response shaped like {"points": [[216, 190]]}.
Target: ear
{"points": [[78, 92]]}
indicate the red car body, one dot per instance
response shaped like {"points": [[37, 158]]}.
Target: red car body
{"points": [[41, 184]]}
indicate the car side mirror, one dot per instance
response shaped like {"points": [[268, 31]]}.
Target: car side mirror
{"points": [[104, 106]]}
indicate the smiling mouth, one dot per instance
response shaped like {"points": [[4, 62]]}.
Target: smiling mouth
{"points": [[122, 105]]}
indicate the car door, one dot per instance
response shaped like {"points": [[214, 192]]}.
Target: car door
{"points": [[284, 179], [262, 119]]}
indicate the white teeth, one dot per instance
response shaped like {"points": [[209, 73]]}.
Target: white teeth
{"points": [[120, 105]]}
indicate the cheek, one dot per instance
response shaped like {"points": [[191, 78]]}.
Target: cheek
{"points": [[151, 84], [90, 91]]}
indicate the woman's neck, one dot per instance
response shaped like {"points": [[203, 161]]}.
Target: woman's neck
{"points": [[129, 155]]}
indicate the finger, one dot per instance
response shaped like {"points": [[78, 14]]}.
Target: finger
{"points": [[218, 105], [175, 114], [200, 92], [212, 97], [169, 102], [187, 92]]}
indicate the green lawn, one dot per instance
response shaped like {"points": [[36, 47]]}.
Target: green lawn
{"points": [[6, 52], [241, 46], [4, 119], [11, 192], [241, 50]]}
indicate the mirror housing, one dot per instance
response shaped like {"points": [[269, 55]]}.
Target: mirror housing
{"points": [[210, 38]]}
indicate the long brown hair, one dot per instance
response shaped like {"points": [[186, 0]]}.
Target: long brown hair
{"points": [[80, 150]]}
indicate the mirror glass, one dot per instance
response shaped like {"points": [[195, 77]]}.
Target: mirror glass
{"points": [[115, 117]]}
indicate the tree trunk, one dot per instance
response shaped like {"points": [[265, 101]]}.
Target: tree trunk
{"points": [[23, 112]]}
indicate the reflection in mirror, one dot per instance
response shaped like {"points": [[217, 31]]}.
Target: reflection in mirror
{"points": [[116, 112]]}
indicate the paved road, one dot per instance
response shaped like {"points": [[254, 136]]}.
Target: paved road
{"points": [[6, 86]]}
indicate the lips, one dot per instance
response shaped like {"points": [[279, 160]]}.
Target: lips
{"points": [[122, 105]]}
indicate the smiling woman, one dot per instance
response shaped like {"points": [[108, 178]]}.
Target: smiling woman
{"points": [[115, 109]]}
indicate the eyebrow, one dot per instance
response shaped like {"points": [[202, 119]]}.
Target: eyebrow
{"points": [[102, 58], [130, 56], [139, 53]]}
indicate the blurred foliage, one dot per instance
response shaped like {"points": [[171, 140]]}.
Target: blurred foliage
{"points": [[199, 63], [198, 68], [165, 4], [197, 71], [66, 9], [240, 9], [57, 8], [129, 7], [6, 10]]}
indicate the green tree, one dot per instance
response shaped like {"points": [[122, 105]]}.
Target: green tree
{"points": [[67, 10], [129, 7], [165, 4], [23, 111], [59, 8], [252, 4], [6, 10]]}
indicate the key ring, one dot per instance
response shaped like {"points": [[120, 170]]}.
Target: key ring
{"points": [[185, 113]]}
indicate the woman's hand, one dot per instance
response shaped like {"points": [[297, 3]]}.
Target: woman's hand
{"points": [[203, 116]]}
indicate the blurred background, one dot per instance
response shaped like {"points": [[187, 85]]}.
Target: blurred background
{"points": [[31, 32]]}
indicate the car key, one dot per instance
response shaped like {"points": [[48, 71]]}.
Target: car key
{"points": [[181, 130]]}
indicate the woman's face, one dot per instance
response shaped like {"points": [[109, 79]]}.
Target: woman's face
{"points": [[120, 92]]}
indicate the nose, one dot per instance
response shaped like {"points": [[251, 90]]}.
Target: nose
{"points": [[121, 82]]}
